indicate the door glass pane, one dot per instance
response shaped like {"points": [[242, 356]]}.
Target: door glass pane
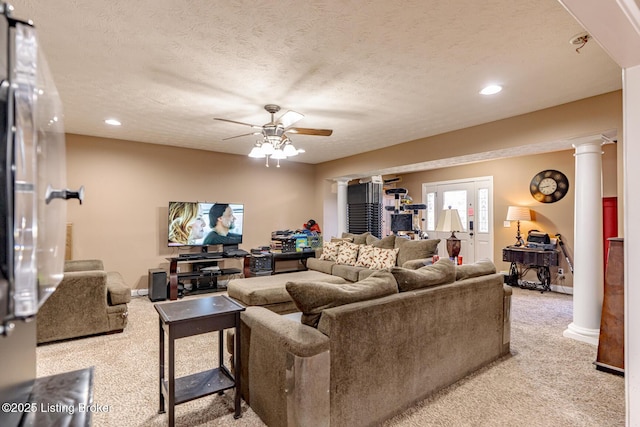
{"points": [[457, 199], [483, 210], [431, 211]]}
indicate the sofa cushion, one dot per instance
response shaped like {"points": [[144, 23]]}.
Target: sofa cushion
{"points": [[358, 239], [83, 265], [347, 272], [318, 264], [267, 290], [330, 250], [347, 253], [312, 298], [365, 256], [342, 239], [479, 268], [387, 242], [440, 273], [415, 249], [383, 258]]}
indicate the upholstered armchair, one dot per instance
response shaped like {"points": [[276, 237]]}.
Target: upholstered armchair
{"points": [[88, 301]]}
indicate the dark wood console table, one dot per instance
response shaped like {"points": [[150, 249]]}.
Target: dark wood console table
{"points": [[301, 257], [191, 317], [528, 258]]}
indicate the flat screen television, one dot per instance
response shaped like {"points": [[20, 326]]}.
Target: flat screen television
{"points": [[203, 224]]}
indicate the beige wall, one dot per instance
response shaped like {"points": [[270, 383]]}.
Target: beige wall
{"points": [[128, 186], [511, 178]]}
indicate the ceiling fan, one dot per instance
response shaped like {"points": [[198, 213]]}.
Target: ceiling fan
{"points": [[279, 127], [275, 142]]}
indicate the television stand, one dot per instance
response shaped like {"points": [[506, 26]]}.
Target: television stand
{"points": [[203, 275]]}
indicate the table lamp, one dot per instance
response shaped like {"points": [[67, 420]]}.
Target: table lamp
{"points": [[518, 213], [449, 220]]}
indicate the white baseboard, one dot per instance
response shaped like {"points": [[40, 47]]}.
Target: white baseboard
{"points": [[562, 289], [139, 292]]}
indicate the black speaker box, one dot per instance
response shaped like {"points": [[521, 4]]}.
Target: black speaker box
{"points": [[157, 284]]}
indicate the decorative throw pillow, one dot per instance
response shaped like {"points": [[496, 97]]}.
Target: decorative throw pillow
{"points": [[347, 253], [359, 239], [383, 258], [479, 268], [330, 250], [312, 298], [415, 249], [440, 273], [365, 256]]}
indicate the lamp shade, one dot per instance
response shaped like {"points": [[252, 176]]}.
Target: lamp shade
{"points": [[518, 213], [449, 220]]}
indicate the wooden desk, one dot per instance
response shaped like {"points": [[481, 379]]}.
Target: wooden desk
{"points": [[186, 318], [528, 258]]}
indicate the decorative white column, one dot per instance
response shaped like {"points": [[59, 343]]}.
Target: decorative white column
{"points": [[342, 205], [588, 254]]}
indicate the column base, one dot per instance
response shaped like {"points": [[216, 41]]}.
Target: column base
{"points": [[590, 336]]}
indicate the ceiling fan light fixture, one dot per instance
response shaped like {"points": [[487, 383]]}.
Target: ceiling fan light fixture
{"points": [[289, 150], [267, 148], [278, 154], [256, 152]]}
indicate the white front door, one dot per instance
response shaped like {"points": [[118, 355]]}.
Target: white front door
{"points": [[473, 199]]}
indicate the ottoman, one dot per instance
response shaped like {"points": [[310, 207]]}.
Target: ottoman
{"points": [[270, 291]]}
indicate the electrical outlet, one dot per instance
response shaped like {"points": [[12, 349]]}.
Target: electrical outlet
{"points": [[560, 271], [506, 224]]}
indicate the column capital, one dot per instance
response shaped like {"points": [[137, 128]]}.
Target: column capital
{"points": [[589, 146], [342, 181]]}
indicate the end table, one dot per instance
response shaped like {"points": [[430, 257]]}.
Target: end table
{"points": [[196, 316]]}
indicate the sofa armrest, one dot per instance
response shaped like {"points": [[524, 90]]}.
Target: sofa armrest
{"points": [[285, 368], [415, 264], [117, 290], [285, 333], [83, 265]]}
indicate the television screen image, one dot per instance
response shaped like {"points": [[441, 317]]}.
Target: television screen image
{"points": [[203, 224]]}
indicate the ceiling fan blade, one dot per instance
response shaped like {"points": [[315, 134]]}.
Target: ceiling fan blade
{"points": [[289, 118], [238, 123], [307, 131], [245, 134]]}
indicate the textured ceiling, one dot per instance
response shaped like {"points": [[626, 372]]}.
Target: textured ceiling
{"points": [[378, 73]]}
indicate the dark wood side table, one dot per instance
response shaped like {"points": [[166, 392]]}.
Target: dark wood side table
{"points": [[196, 316]]}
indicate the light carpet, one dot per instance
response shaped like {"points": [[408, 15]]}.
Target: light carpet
{"points": [[548, 380]]}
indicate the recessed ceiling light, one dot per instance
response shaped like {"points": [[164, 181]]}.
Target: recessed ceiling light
{"points": [[113, 122], [491, 90]]}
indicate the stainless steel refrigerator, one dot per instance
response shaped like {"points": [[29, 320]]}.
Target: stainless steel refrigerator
{"points": [[32, 214]]}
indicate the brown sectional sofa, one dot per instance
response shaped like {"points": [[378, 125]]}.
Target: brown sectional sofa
{"points": [[361, 352], [270, 292], [88, 301]]}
